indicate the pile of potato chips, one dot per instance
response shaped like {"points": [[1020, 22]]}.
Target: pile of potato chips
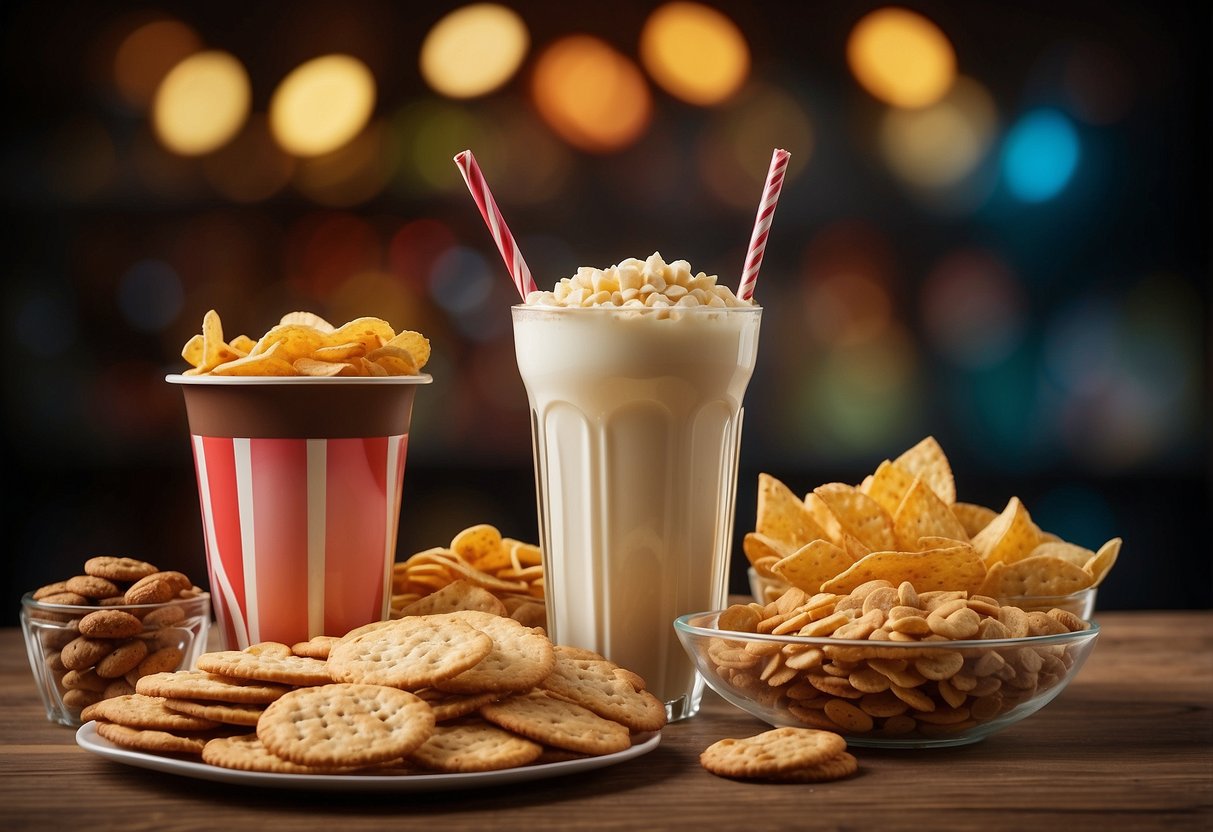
{"points": [[510, 569], [903, 523], [304, 344]]}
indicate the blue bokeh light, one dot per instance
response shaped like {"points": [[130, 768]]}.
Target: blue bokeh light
{"points": [[1040, 155], [150, 295]]}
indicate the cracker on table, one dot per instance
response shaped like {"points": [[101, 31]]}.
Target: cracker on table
{"points": [[773, 752], [558, 722], [474, 745], [836, 768], [345, 724], [410, 653]]}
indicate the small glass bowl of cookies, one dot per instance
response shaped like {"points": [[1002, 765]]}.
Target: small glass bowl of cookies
{"points": [[886, 666], [91, 637]]}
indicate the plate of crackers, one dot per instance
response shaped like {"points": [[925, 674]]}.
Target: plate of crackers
{"points": [[455, 698]]}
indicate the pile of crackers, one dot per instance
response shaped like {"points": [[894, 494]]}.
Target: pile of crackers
{"points": [[455, 690]]}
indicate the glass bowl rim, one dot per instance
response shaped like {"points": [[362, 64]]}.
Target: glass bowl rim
{"points": [[28, 602], [683, 625]]}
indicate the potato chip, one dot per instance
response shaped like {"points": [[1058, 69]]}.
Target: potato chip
{"points": [[417, 345], [267, 363], [340, 352], [859, 515], [526, 554], [1009, 537], [927, 460], [923, 514], [293, 340], [812, 565], [1099, 565], [1072, 552], [1034, 576], [312, 367], [476, 542], [307, 319], [759, 546], [396, 360], [215, 350], [782, 515], [372, 333], [888, 485], [953, 568], [973, 517], [242, 344], [192, 351]]}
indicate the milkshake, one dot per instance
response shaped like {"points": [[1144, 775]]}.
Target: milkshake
{"points": [[635, 376]]}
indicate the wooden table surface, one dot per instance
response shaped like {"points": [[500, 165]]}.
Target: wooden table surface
{"points": [[1129, 745]]}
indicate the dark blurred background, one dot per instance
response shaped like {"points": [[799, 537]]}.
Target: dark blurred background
{"points": [[995, 230]]}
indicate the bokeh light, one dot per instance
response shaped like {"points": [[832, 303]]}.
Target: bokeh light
{"points": [[145, 56], [694, 52], [202, 103], [939, 145], [150, 295], [474, 50], [81, 159], [901, 57], [733, 155], [1040, 155], [591, 95], [353, 174], [322, 105], [973, 308], [323, 250], [415, 247], [251, 167], [391, 299]]}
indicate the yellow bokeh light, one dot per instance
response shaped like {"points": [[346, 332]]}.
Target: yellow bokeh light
{"points": [[322, 105], [202, 103], [901, 57], [593, 97], [694, 52], [939, 145], [147, 54], [474, 50]]}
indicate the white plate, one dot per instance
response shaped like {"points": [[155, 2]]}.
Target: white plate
{"points": [[88, 739]]}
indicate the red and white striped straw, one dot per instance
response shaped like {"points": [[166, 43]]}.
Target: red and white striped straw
{"points": [[762, 223], [476, 183]]}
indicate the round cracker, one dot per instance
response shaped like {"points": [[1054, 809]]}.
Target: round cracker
{"points": [[474, 746], [143, 739], [773, 752], [266, 667], [607, 690], [545, 719], [198, 684], [138, 711], [410, 653], [345, 725], [521, 657], [248, 753]]}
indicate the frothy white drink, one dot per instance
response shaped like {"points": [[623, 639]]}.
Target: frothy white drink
{"points": [[636, 414]]}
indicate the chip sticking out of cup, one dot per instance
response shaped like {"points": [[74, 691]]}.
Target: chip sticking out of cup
{"points": [[305, 344]]}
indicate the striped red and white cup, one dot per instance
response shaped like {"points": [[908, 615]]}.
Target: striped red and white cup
{"points": [[299, 482]]}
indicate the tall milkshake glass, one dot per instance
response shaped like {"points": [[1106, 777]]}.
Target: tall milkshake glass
{"points": [[636, 418]]}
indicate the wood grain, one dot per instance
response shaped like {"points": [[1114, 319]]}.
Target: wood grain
{"points": [[1129, 745]]}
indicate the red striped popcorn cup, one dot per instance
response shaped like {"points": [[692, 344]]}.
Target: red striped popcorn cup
{"points": [[299, 482]]}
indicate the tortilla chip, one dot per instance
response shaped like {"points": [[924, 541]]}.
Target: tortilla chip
{"points": [[812, 565], [859, 515], [923, 514], [1011, 536], [1097, 567], [1043, 575], [783, 516], [953, 568], [927, 460]]}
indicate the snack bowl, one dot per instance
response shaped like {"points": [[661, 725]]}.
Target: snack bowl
{"points": [[173, 635], [885, 694]]}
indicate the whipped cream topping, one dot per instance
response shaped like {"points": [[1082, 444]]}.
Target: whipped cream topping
{"points": [[635, 283]]}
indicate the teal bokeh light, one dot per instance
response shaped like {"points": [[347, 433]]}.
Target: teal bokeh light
{"points": [[1040, 155]]}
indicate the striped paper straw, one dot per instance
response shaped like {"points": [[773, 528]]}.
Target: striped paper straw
{"points": [[476, 183], [762, 223]]}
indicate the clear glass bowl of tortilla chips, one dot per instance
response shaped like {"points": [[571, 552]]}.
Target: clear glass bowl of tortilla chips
{"points": [[74, 670], [880, 692]]}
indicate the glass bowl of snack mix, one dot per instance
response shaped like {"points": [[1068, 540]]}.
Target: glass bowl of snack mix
{"points": [[92, 636], [886, 666]]}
